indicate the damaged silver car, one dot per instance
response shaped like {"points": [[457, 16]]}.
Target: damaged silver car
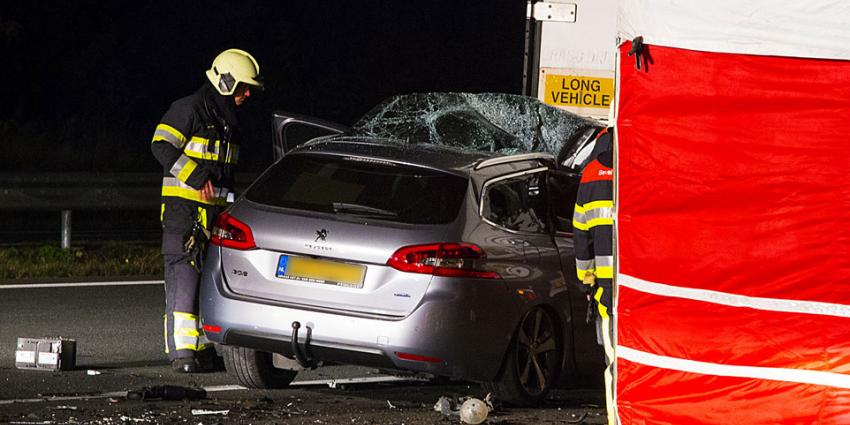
{"points": [[433, 236]]}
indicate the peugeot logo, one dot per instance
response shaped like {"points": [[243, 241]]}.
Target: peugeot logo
{"points": [[321, 234]]}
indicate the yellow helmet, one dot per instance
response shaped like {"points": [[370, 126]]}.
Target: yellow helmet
{"points": [[231, 67]]}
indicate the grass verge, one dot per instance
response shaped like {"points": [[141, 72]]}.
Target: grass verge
{"points": [[102, 260]]}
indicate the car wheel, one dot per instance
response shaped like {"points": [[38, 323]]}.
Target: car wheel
{"points": [[254, 369], [532, 363]]}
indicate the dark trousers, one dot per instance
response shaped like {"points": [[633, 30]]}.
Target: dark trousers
{"points": [[182, 330]]}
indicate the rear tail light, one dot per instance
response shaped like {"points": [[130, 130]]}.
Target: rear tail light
{"points": [[212, 328], [442, 259], [418, 358], [232, 233]]}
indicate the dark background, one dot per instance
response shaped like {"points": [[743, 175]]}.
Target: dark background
{"points": [[84, 82]]}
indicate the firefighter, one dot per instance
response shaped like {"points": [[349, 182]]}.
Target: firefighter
{"points": [[593, 229], [194, 143]]}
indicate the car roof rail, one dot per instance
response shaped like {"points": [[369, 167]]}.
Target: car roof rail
{"points": [[513, 158]]}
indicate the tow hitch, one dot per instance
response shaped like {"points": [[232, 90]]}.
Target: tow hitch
{"points": [[301, 356]]}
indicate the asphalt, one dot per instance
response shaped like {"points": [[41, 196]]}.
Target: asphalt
{"points": [[118, 334], [118, 331]]}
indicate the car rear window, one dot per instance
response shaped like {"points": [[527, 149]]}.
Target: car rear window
{"points": [[361, 187]]}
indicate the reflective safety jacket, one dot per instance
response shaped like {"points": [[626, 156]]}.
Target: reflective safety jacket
{"points": [[593, 222], [192, 142]]}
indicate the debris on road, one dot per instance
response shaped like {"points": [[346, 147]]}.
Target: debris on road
{"points": [[167, 392], [47, 354], [471, 410], [578, 419], [444, 406], [92, 372], [125, 418], [474, 411], [390, 404], [201, 412]]}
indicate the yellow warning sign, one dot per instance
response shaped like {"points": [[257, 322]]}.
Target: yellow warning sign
{"points": [[579, 91]]}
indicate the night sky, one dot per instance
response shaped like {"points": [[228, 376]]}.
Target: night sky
{"points": [[84, 83]]}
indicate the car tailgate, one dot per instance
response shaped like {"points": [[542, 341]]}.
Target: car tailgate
{"points": [[326, 263]]}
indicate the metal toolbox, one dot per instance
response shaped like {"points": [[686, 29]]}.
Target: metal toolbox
{"points": [[48, 354]]}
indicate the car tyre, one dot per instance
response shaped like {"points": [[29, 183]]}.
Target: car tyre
{"points": [[532, 363], [254, 369]]}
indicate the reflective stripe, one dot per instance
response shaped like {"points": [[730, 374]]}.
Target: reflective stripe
{"points": [[583, 267], [201, 148], [585, 264], [174, 187], [593, 223], [802, 376], [187, 332], [183, 168], [599, 213], [579, 218], [599, 222], [165, 328], [161, 211], [579, 225], [592, 214], [604, 272], [605, 260], [594, 205], [181, 318], [735, 300], [198, 147], [191, 195], [202, 217], [603, 313], [193, 347], [232, 155], [169, 134]]}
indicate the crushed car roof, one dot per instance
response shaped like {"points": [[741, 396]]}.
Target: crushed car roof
{"points": [[455, 131], [489, 122]]}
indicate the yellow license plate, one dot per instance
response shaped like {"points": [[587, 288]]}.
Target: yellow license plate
{"points": [[320, 271]]}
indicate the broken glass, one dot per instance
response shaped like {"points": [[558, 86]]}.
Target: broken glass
{"points": [[491, 122]]}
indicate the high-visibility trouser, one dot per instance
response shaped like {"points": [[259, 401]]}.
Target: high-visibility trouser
{"points": [[183, 334], [603, 296]]}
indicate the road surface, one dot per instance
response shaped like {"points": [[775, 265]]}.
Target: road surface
{"points": [[118, 330]]}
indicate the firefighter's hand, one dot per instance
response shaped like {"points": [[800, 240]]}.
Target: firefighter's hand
{"points": [[589, 279], [206, 191]]}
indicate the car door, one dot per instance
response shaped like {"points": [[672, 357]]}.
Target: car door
{"points": [[516, 205], [291, 130], [579, 150]]}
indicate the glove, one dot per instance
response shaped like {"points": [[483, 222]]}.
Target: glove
{"points": [[589, 279]]}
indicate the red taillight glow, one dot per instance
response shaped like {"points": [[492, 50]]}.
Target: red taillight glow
{"points": [[418, 358], [232, 233], [441, 259], [211, 328]]}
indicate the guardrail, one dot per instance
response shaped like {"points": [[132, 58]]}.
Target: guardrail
{"points": [[66, 192]]}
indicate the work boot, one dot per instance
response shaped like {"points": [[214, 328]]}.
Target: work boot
{"points": [[209, 361], [184, 365]]}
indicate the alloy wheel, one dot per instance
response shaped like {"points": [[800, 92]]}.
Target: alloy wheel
{"points": [[536, 352]]}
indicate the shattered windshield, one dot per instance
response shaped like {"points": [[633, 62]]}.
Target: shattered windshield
{"points": [[492, 122]]}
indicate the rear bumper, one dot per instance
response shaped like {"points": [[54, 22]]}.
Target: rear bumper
{"points": [[467, 326]]}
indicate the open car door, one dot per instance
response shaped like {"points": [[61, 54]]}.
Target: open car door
{"points": [[291, 130]]}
